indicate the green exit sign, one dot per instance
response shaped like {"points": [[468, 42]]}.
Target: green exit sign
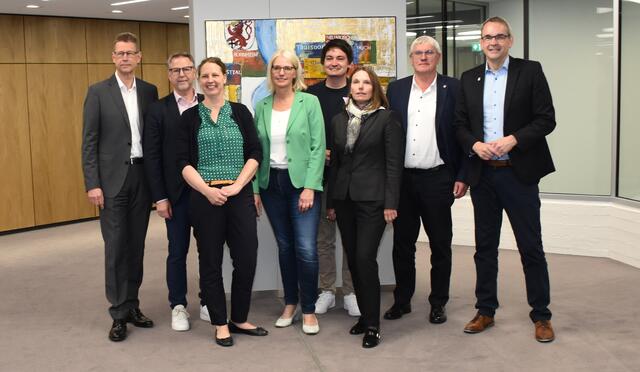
{"points": [[475, 47]]}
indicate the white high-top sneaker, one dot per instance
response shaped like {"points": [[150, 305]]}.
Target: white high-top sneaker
{"points": [[326, 301], [179, 318]]}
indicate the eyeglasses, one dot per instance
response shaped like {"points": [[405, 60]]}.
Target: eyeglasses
{"points": [[127, 53], [282, 68], [498, 37], [184, 70], [421, 53]]}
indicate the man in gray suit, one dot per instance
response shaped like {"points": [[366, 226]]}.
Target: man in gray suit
{"points": [[114, 177]]}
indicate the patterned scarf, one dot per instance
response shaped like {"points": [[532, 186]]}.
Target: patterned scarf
{"points": [[356, 117]]}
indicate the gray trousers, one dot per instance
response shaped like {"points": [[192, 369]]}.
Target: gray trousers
{"points": [[124, 221], [327, 253]]}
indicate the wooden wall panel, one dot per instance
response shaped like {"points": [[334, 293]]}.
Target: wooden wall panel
{"points": [[157, 75], [100, 35], [54, 40], [178, 38], [16, 187], [102, 71], [56, 95], [12, 46], [153, 42]]}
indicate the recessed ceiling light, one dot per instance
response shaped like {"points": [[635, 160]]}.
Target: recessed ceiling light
{"points": [[30, 6], [129, 2], [186, 16], [117, 11], [180, 7]]}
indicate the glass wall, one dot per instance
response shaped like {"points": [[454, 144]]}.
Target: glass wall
{"points": [[629, 130], [573, 39]]}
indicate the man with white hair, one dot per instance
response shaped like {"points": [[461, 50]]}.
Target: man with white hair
{"points": [[433, 177]]}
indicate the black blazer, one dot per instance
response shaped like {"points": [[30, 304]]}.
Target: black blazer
{"points": [[447, 89], [528, 115], [373, 171], [187, 141], [159, 142], [106, 133]]}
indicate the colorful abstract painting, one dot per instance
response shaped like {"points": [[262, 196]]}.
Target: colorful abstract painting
{"points": [[247, 45]]}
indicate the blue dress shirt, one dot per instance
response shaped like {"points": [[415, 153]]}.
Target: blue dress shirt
{"points": [[495, 84]]}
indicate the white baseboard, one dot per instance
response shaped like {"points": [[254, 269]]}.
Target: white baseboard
{"points": [[584, 228]]}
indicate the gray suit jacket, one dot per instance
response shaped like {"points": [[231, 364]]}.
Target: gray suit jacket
{"points": [[106, 133]]}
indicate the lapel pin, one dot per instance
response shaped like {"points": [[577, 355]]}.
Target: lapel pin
{"points": [[444, 86], [479, 78]]}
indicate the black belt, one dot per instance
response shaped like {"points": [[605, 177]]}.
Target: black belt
{"points": [[135, 161], [498, 163], [423, 171]]}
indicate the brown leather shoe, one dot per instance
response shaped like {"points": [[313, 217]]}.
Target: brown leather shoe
{"points": [[544, 331], [478, 324]]}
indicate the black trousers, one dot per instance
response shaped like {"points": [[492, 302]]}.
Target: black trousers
{"points": [[234, 223], [498, 190], [426, 195], [123, 222], [361, 225]]}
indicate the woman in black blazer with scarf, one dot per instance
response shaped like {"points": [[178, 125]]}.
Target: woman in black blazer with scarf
{"points": [[364, 185]]}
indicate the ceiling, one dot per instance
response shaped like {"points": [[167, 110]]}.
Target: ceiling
{"points": [[152, 10]]}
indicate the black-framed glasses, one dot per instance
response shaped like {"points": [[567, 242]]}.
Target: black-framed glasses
{"points": [[498, 37], [128, 53], [421, 53], [282, 68], [185, 70]]}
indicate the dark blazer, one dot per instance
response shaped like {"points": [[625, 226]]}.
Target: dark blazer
{"points": [[106, 133], [528, 115], [373, 171], [447, 90], [187, 141], [162, 125]]}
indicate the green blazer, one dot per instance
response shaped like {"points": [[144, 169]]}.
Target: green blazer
{"points": [[305, 142]]}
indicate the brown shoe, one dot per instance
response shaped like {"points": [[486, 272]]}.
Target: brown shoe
{"points": [[478, 324], [544, 331]]}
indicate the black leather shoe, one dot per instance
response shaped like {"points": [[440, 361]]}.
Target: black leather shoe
{"points": [[357, 329], [226, 342], [138, 319], [371, 338], [118, 331], [438, 315], [396, 312], [258, 331]]}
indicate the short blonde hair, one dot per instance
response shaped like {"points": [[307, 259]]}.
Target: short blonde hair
{"points": [[298, 80]]}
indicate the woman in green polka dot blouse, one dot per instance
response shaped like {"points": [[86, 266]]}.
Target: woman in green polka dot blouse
{"points": [[219, 153]]}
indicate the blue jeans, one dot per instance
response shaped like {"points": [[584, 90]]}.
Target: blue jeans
{"points": [[295, 234], [178, 235]]}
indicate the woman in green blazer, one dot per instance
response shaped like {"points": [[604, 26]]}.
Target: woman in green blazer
{"points": [[291, 131]]}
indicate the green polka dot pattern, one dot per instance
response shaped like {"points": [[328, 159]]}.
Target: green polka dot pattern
{"points": [[220, 145]]}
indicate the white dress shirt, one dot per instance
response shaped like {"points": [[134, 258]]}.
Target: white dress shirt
{"points": [[130, 98], [422, 146]]}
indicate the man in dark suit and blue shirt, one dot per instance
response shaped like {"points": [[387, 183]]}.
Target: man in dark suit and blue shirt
{"points": [[113, 167], [433, 176], [503, 114], [168, 189]]}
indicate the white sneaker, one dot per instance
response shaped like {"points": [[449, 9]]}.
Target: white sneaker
{"points": [[351, 304], [204, 313], [179, 318], [326, 301]]}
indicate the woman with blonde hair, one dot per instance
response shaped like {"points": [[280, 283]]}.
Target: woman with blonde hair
{"points": [[291, 131]]}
